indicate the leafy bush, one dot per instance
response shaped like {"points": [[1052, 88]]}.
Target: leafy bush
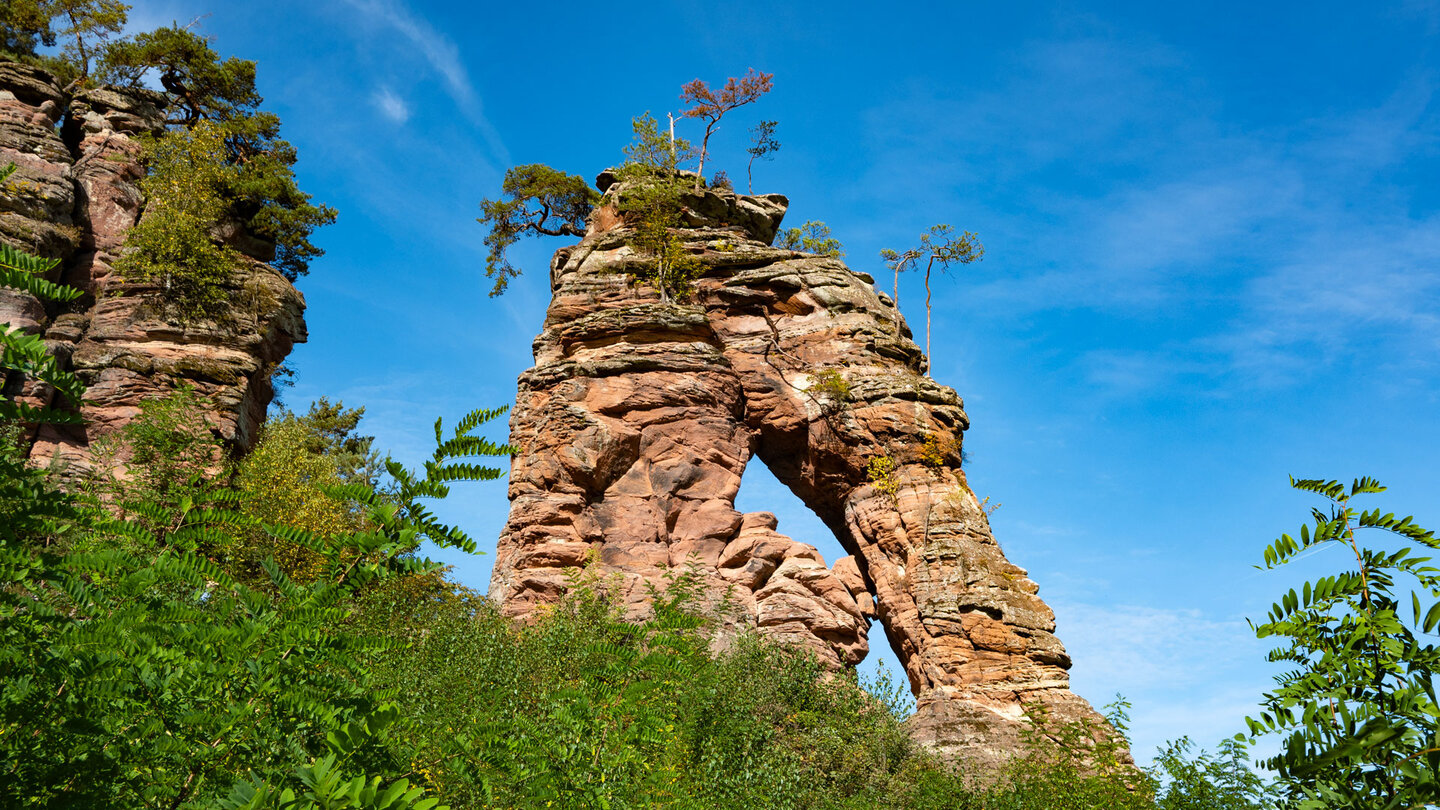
{"points": [[146, 675], [171, 248], [835, 389], [881, 472], [811, 237]]}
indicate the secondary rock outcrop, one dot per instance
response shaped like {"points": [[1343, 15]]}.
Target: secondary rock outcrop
{"points": [[73, 197], [639, 417]]}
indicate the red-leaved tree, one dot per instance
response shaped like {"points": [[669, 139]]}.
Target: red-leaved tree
{"points": [[711, 105]]}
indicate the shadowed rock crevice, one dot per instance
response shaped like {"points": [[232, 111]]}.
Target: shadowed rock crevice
{"points": [[639, 418]]}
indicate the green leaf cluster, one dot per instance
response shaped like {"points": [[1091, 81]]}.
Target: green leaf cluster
{"points": [[253, 172], [82, 26], [170, 251], [811, 237], [590, 708], [26, 354], [140, 668], [259, 189], [1357, 712]]}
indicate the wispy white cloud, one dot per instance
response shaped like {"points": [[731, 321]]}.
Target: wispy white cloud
{"points": [[391, 105], [1255, 256], [441, 54], [1168, 663]]}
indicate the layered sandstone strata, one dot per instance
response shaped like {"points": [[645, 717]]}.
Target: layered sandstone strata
{"points": [[639, 417], [73, 197]]}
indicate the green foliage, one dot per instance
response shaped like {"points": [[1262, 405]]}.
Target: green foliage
{"points": [[170, 249], [258, 183], [323, 784], [147, 675], [812, 237], [27, 354], [660, 154], [330, 431], [287, 480], [1357, 713], [1201, 781], [588, 709], [763, 146], [83, 26], [835, 389], [881, 471], [197, 82], [24, 26], [169, 452], [536, 199], [652, 203]]}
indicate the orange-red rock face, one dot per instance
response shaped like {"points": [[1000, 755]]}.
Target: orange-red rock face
{"points": [[639, 417], [73, 197]]}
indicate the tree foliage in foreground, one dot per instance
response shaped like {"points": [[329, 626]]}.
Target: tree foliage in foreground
{"points": [[1357, 712], [137, 670]]}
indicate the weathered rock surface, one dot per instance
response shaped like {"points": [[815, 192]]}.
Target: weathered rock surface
{"points": [[73, 197], [639, 417]]}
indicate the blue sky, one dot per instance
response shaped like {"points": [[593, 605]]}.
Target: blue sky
{"points": [[1213, 257]]}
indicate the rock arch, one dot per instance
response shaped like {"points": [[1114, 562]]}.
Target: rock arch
{"points": [[638, 419]]}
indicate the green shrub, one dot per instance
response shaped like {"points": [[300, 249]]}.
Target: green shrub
{"points": [[881, 471], [171, 248], [835, 389], [811, 237]]}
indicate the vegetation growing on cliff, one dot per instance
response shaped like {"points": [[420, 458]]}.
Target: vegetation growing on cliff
{"points": [[248, 169], [171, 248], [711, 105], [811, 237], [539, 200], [939, 247], [256, 167], [535, 199]]}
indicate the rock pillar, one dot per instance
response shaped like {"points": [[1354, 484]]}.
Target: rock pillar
{"points": [[639, 417]]}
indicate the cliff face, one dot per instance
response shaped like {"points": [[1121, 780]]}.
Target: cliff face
{"points": [[73, 197], [637, 422]]}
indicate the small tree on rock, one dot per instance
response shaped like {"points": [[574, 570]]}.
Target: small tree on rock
{"points": [[763, 146], [650, 150], [899, 262], [812, 237], [536, 199], [712, 105], [939, 247]]}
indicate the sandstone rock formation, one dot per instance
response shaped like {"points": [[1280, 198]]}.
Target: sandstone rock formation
{"points": [[73, 197], [639, 418]]}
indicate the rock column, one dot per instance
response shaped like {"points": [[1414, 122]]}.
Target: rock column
{"points": [[639, 417], [74, 196]]}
